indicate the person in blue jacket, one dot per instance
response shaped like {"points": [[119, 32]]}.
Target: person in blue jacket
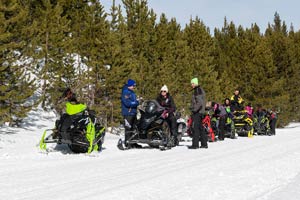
{"points": [[129, 105]]}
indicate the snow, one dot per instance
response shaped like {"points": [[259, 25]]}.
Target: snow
{"points": [[262, 167]]}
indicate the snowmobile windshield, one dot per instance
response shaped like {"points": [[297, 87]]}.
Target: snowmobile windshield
{"points": [[72, 109], [151, 107]]}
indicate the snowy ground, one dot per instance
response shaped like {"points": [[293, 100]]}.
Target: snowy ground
{"points": [[258, 168]]}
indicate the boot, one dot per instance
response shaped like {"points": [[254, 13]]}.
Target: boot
{"points": [[176, 142]]}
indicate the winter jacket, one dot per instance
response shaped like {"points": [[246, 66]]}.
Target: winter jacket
{"points": [[198, 100], [229, 110], [129, 102], [261, 112], [249, 111], [72, 109], [236, 101], [219, 110], [167, 103], [273, 115]]}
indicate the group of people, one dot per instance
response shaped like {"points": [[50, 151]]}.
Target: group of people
{"points": [[129, 103], [198, 108], [236, 103]]}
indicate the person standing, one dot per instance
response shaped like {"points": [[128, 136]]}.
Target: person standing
{"points": [[229, 118], [221, 114], [198, 110], [273, 120], [129, 105], [165, 100]]}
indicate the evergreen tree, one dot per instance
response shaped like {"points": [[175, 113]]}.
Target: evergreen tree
{"points": [[200, 57], [258, 68], [47, 45], [140, 23], [120, 60], [171, 50], [96, 43], [16, 84], [293, 80], [225, 58], [278, 43]]}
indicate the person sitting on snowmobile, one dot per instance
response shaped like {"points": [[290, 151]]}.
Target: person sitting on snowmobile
{"points": [[260, 111], [229, 117], [236, 100], [249, 110], [165, 100], [228, 107], [77, 127], [72, 107]]}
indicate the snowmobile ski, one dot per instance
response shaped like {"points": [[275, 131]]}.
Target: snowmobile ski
{"points": [[164, 148], [120, 145]]}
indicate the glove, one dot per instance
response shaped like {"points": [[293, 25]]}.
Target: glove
{"points": [[165, 114]]}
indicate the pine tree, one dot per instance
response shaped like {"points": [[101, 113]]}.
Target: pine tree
{"points": [[200, 56], [16, 85], [47, 46], [225, 61], [75, 58], [258, 68], [96, 43], [278, 43], [120, 60], [140, 23], [293, 80], [171, 61]]}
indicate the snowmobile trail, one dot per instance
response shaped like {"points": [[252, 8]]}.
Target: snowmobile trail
{"points": [[246, 168]]}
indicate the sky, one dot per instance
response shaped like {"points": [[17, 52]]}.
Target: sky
{"points": [[213, 12]]}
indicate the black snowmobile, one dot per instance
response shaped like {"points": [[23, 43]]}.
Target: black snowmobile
{"points": [[229, 127], [78, 128], [150, 129], [261, 124]]}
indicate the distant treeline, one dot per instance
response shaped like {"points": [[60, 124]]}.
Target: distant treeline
{"points": [[48, 45]]}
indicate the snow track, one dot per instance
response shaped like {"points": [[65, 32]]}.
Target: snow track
{"points": [[261, 167]]}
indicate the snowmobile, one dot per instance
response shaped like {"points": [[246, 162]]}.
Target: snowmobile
{"points": [[78, 128], [83, 135], [229, 127], [243, 124], [261, 124], [151, 128], [206, 123], [181, 126]]}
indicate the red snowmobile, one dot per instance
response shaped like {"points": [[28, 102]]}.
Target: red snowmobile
{"points": [[206, 123]]}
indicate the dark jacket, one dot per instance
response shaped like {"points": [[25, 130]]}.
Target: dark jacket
{"points": [[236, 102], [198, 100], [167, 103], [129, 102], [220, 110]]}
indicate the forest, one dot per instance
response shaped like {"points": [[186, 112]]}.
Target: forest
{"points": [[47, 46]]}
